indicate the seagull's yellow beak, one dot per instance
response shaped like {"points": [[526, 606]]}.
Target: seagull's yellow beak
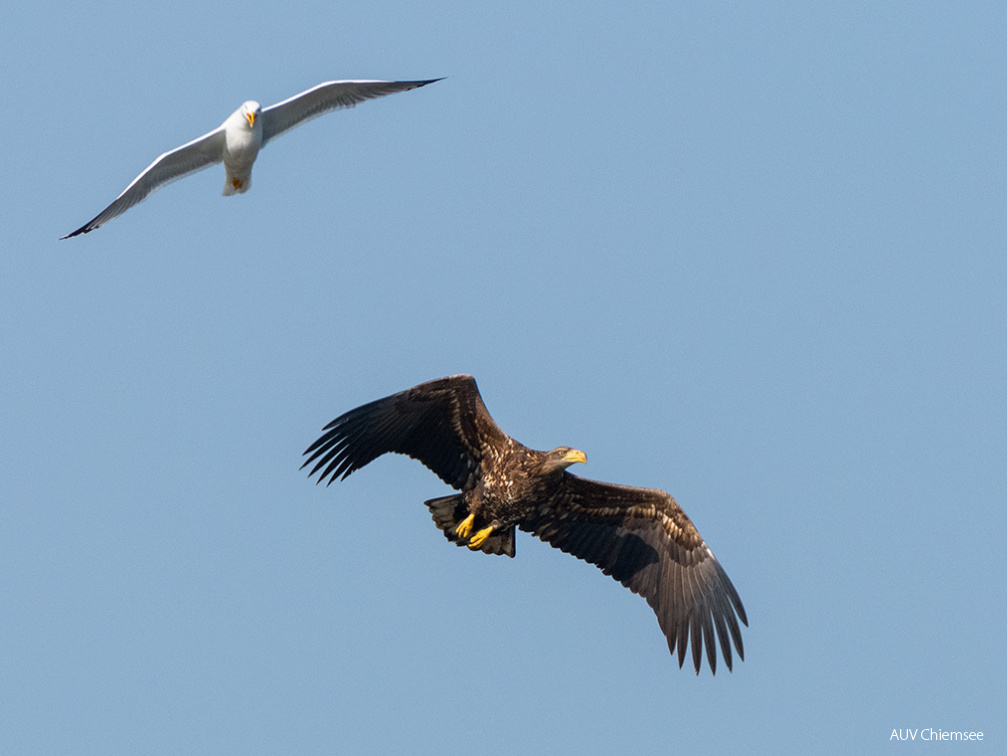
{"points": [[251, 119], [575, 455]]}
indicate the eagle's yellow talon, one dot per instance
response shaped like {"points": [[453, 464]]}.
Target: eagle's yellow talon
{"points": [[477, 540], [463, 528]]}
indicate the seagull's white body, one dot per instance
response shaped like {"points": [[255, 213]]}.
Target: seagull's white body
{"points": [[237, 141], [241, 146]]}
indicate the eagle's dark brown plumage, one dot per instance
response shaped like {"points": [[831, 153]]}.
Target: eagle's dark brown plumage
{"points": [[639, 536]]}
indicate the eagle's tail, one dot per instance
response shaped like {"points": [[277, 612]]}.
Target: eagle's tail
{"points": [[448, 511]]}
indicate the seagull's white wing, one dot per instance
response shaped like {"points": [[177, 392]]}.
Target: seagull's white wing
{"points": [[331, 95], [181, 161]]}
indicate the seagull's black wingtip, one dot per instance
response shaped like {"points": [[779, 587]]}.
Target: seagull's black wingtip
{"points": [[81, 230]]}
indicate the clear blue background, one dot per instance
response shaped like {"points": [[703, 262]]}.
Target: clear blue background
{"points": [[750, 254]]}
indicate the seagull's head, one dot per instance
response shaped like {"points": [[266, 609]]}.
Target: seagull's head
{"points": [[251, 110]]}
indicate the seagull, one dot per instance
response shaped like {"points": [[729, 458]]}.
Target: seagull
{"points": [[237, 140]]}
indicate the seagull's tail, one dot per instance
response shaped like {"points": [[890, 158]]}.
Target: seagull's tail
{"points": [[237, 183]]}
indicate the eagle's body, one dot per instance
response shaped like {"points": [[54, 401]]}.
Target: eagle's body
{"points": [[513, 481], [639, 536]]}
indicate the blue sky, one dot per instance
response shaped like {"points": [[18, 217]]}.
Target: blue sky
{"points": [[750, 255]]}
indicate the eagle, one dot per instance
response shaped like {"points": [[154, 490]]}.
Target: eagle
{"points": [[639, 536]]}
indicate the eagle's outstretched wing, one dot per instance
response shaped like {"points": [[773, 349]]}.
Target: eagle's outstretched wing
{"points": [[642, 538], [443, 424]]}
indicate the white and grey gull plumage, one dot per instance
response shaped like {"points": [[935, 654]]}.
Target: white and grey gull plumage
{"points": [[237, 141]]}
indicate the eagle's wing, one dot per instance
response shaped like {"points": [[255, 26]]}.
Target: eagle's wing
{"points": [[642, 538], [443, 423]]}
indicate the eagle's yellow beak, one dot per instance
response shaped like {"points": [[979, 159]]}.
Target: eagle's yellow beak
{"points": [[251, 119], [575, 455]]}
